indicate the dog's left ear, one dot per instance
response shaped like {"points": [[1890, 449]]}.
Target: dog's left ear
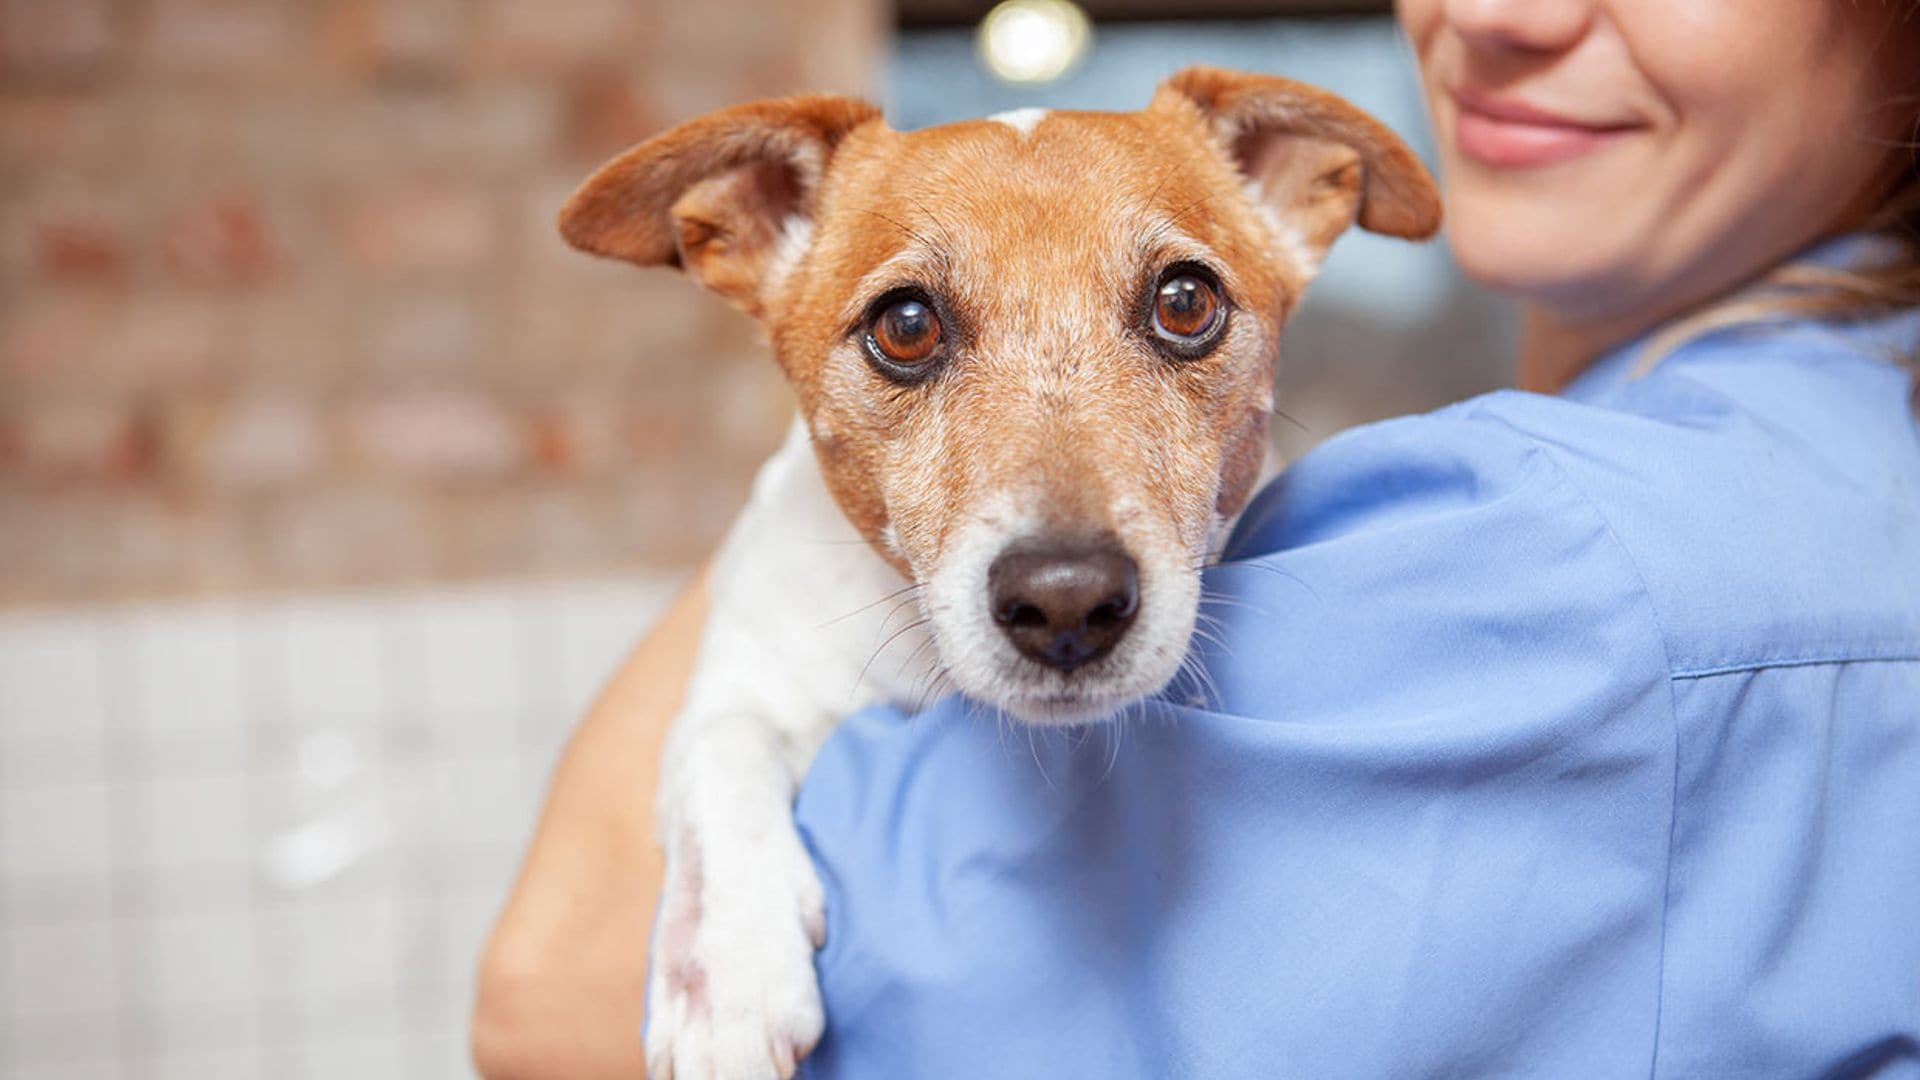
{"points": [[1313, 157], [717, 196]]}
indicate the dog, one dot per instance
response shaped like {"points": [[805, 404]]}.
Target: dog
{"points": [[1034, 358]]}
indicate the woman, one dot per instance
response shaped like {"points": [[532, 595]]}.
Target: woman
{"points": [[1569, 735]]}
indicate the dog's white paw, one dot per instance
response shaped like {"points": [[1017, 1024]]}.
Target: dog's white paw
{"points": [[732, 994]]}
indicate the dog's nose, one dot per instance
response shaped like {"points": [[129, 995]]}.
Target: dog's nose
{"points": [[1064, 602]]}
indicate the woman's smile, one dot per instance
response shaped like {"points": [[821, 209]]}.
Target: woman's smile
{"points": [[1509, 133]]}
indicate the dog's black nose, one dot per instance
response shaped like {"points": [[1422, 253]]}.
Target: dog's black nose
{"points": [[1064, 602]]}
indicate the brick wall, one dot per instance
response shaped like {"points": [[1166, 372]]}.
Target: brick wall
{"points": [[282, 306]]}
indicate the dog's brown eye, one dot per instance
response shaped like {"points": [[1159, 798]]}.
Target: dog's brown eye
{"points": [[1186, 308], [907, 332]]}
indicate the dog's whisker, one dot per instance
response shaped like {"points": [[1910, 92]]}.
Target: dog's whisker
{"points": [[1222, 617], [1204, 687], [1205, 694], [927, 676], [896, 224], [1203, 617], [1255, 564], [939, 683], [910, 589], [1187, 677], [1174, 170], [1037, 763], [935, 221], [1119, 726], [1213, 629], [1212, 698], [910, 603], [1304, 429], [924, 645], [1214, 598], [1214, 640], [1192, 206], [891, 638]]}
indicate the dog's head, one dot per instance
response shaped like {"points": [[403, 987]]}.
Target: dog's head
{"points": [[1035, 352]]}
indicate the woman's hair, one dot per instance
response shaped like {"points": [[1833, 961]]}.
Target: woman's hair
{"points": [[1887, 283]]}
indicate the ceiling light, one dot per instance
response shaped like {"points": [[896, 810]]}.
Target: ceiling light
{"points": [[1032, 41]]}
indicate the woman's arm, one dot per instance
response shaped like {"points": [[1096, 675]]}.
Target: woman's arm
{"points": [[563, 980]]}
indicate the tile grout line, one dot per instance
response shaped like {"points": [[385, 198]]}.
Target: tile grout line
{"points": [[410, 736], [7, 925], [132, 1024], [265, 712]]}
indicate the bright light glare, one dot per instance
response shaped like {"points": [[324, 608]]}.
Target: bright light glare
{"points": [[1034, 40]]}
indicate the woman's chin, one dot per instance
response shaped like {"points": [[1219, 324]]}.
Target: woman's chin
{"points": [[1537, 259]]}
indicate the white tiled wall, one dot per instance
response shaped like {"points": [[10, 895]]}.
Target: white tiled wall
{"points": [[266, 839]]}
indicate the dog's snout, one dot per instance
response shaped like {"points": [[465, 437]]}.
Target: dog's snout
{"points": [[1064, 602]]}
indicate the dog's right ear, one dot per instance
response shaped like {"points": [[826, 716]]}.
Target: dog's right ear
{"points": [[1311, 156], [718, 195]]}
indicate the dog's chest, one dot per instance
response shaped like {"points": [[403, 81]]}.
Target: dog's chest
{"points": [[830, 619]]}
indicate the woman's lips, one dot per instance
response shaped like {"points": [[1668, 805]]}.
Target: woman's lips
{"points": [[1509, 134]]}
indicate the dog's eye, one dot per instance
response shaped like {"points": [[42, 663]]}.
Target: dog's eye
{"points": [[1186, 308], [906, 332]]}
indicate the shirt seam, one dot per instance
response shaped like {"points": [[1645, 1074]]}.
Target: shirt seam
{"points": [[1829, 660], [1673, 708]]}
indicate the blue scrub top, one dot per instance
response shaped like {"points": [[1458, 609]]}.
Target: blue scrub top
{"points": [[1567, 736]]}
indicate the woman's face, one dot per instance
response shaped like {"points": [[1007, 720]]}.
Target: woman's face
{"points": [[1604, 158]]}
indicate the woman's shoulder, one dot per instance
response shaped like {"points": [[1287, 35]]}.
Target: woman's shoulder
{"points": [[1441, 564], [1762, 494]]}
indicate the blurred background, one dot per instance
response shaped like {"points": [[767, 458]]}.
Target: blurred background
{"points": [[332, 484]]}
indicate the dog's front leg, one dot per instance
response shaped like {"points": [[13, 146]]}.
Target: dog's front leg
{"points": [[789, 648], [732, 992]]}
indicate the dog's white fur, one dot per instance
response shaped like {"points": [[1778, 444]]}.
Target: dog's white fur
{"points": [[1020, 120], [800, 606]]}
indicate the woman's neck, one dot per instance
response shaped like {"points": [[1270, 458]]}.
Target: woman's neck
{"points": [[1556, 347], [1553, 351]]}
